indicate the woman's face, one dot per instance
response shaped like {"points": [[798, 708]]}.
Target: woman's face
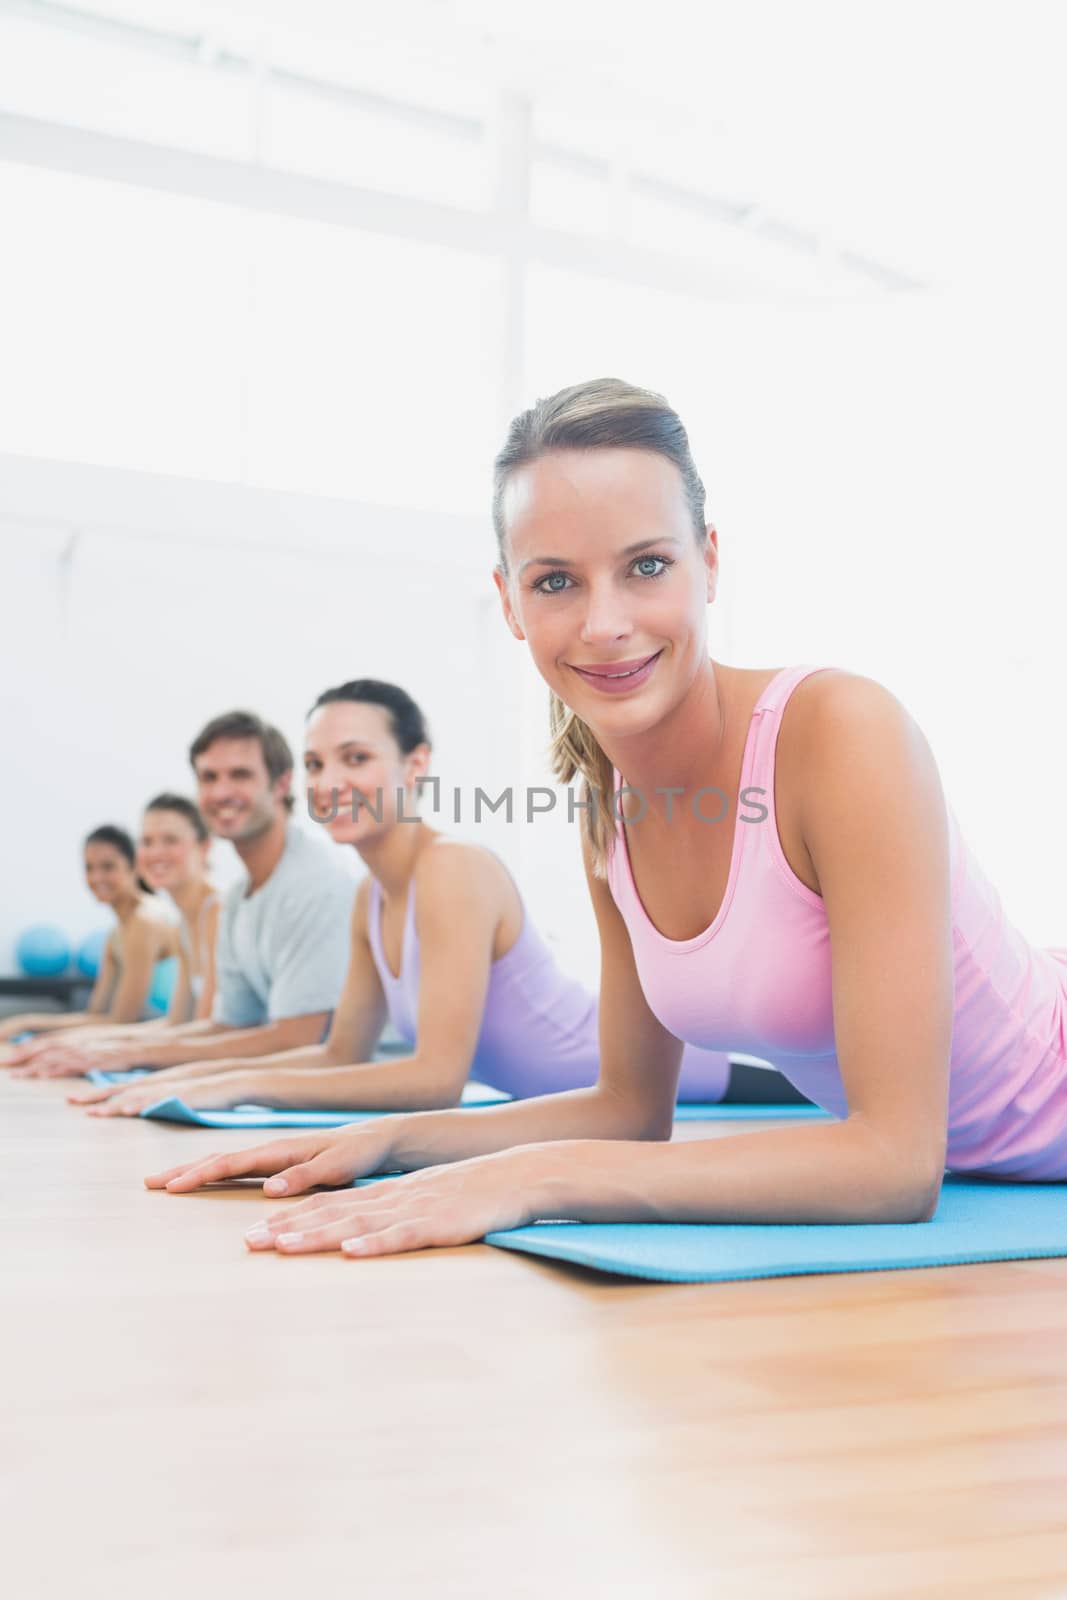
{"points": [[169, 854], [607, 583], [350, 751], [107, 872]]}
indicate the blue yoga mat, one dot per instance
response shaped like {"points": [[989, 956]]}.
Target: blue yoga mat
{"points": [[976, 1220]]}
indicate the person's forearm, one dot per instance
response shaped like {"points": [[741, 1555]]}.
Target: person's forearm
{"points": [[837, 1173], [151, 1028], [287, 1072], [155, 1038], [52, 1021], [426, 1139], [229, 1044], [200, 1028], [401, 1084]]}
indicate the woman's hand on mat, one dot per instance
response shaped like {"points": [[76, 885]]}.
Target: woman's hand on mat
{"points": [[162, 1081], [29, 1052], [437, 1206], [71, 1059], [200, 1093], [292, 1166]]}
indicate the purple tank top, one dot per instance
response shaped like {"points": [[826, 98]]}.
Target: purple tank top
{"points": [[539, 1027]]}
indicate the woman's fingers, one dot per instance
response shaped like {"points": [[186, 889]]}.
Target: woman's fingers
{"points": [[201, 1095], [95, 1092], [323, 1229], [258, 1162], [376, 1232], [29, 1050], [394, 1238], [320, 1208], [417, 1211], [31, 1069], [331, 1167], [128, 1103], [58, 1066]]}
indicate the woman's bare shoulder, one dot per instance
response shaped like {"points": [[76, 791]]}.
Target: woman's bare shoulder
{"points": [[846, 728], [451, 860], [149, 923], [835, 725], [834, 700]]}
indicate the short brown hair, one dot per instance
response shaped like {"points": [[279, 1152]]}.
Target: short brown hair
{"points": [[277, 756]]}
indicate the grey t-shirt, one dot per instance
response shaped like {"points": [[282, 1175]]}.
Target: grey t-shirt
{"points": [[283, 951]]}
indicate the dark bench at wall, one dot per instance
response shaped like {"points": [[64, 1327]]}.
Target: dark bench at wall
{"points": [[67, 990]]}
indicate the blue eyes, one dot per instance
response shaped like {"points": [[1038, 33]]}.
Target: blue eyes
{"points": [[643, 567]]}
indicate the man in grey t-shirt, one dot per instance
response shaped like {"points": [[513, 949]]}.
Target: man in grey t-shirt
{"points": [[283, 948], [284, 932]]}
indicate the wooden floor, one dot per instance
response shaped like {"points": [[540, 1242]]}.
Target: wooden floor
{"points": [[183, 1418]]}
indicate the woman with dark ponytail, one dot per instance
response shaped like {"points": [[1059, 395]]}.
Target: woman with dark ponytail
{"points": [[142, 936], [441, 945]]}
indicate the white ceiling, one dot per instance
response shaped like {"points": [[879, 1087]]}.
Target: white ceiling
{"points": [[927, 133]]}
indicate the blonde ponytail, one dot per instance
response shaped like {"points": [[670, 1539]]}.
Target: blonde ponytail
{"points": [[575, 753]]}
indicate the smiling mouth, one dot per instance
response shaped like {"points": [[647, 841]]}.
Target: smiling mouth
{"points": [[620, 670]]}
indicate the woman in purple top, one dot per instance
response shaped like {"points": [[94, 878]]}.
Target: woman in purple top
{"points": [[441, 945]]}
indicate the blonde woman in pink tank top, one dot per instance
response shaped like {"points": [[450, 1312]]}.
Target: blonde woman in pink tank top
{"points": [[773, 867]]}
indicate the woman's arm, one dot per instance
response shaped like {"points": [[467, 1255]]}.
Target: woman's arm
{"points": [[209, 933], [44, 1022], [181, 1001], [633, 1099], [140, 948]]}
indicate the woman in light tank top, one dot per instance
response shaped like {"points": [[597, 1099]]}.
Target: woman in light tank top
{"points": [[441, 947], [834, 921], [172, 858]]}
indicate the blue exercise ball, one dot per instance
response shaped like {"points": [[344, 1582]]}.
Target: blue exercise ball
{"points": [[43, 951], [164, 978], [91, 953]]}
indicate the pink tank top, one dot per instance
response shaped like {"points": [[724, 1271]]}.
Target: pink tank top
{"points": [[758, 980]]}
